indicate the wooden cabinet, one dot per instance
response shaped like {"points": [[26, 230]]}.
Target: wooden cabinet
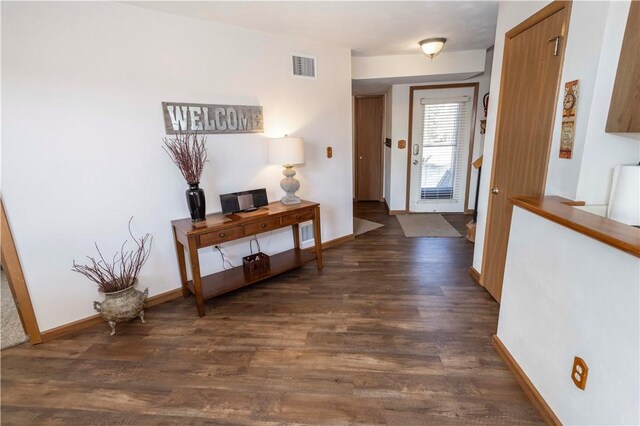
{"points": [[218, 228], [624, 110]]}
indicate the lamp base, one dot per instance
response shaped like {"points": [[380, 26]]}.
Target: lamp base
{"points": [[290, 200], [289, 185]]}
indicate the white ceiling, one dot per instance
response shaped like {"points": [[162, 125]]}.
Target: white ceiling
{"points": [[368, 28]]}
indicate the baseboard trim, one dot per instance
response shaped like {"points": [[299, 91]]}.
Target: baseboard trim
{"points": [[538, 401], [85, 323], [475, 275], [72, 327], [163, 297], [336, 241], [397, 212], [332, 243]]}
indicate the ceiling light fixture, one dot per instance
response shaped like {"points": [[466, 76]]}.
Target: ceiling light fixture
{"points": [[432, 46]]}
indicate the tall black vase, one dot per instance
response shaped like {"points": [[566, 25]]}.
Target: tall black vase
{"points": [[195, 200]]}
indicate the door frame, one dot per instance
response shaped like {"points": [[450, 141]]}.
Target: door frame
{"points": [[474, 110], [17, 283], [355, 147], [534, 19]]}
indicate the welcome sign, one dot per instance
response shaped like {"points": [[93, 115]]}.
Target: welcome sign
{"points": [[212, 119]]}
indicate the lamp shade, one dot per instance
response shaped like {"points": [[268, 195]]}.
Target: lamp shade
{"points": [[286, 151], [624, 204], [432, 46]]}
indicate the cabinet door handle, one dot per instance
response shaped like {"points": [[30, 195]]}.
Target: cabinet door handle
{"points": [[298, 217], [221, 234], [264, 225]]}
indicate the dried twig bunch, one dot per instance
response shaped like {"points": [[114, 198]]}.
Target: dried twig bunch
{"points": [[189, 153], [123, 269]]}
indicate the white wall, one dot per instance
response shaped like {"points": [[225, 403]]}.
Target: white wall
{"points": [[398, 157], [586, 29], [400, 130], [368, 67], [603, 151], [82, 90], [593, 47], [567, 295]]}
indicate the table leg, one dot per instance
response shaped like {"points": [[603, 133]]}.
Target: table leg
{"points": [[195, 273], [296, 235], [316, 236], [181, 264]]}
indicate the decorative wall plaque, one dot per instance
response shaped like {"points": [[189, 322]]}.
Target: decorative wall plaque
{"points": [[211, 119], [569, 107]]}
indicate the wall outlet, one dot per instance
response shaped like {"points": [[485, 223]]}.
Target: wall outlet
{"points": [[579, 372]]}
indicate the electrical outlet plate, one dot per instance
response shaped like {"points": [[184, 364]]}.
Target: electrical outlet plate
{"points": [[579, 372]]}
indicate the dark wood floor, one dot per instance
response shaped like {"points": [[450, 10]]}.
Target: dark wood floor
{"points": [[393, 331]]}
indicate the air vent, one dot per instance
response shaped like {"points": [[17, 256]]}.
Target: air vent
{"points": [[306, 233], [304, 66]]}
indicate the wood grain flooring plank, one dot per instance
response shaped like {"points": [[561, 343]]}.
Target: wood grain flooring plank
{"points": [[392, 331]]}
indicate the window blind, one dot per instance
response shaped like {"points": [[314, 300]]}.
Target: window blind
{"points": [[445, 122]]}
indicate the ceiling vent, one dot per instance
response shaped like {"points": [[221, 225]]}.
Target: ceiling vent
{"points": [[303, 66]]}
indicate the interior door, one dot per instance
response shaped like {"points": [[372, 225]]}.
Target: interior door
{"points": [[440, 144], [369, 117], [530, 79]]}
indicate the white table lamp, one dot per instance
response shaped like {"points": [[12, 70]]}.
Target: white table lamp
{"points": [[287, 152]]}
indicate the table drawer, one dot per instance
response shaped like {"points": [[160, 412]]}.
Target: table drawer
{"points": [[298, 217], [262, 226], [221, 236]]}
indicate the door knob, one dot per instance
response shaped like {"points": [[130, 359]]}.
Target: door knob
{"points": [[360, 158], [415, 162], [495, 190]]}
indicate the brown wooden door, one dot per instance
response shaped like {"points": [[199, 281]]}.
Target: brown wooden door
{"points": [[528, 94], [369, 116]]}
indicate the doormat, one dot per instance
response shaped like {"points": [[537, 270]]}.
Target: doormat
{"points": [[361, 226], [426, 225]]}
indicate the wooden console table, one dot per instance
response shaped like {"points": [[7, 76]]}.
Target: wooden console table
{"points": [[219, 228]]}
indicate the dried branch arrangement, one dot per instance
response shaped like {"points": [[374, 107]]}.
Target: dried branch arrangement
{"points": [[189, 153], [123, 269]]}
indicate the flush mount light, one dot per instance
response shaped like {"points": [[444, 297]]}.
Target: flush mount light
{"points": [[432, 46]]}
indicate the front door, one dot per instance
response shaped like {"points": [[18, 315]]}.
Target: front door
{"points": [[369, 116], [530, 80], [440, 144]]}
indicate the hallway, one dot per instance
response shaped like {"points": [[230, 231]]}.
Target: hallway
{"points": [[392, 331]]}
